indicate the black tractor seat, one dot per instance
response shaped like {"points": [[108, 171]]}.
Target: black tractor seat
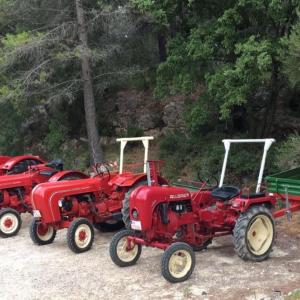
{"points": [[225, 193], [253, 195]]}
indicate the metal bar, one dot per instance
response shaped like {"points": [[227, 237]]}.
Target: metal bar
{"points": [[227, 148]]}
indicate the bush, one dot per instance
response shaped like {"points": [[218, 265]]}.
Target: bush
{"points": [[288, 153]]}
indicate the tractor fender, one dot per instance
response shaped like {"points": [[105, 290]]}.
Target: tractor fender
{"points": [[243, 204], [62, 175], [129, 179]]}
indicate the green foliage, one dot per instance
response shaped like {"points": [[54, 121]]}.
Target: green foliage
{"points": [[133, 131], [291, 58], [288, 153], [55, 137]]}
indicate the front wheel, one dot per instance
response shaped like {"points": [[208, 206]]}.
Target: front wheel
{"points": [[80, 235], [10, 222], [178, 262], [124, 252], [41, 234], [254, 233]]}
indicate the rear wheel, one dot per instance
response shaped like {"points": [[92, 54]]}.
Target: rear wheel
{"points": [[126, 204], [254, 233], [41, 234], [80, 236], [178, 262], [111, 225], [10, 222], [123, 252]]}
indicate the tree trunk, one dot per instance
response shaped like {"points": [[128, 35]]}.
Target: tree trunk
{"points": [[96, 154]]}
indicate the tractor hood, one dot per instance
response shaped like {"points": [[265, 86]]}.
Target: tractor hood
{"points": [[45, 196], [145, 199], [18, 180]]}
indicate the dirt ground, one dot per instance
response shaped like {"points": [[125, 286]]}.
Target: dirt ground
{"points": [[54, 272]]}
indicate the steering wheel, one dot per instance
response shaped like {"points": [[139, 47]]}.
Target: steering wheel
{"points": [[101, 168], [211, 181]]}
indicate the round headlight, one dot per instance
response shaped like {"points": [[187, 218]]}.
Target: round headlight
{"points": [[135, 213]]}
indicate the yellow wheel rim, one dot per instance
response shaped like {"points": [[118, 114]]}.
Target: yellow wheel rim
{"points": [[126, 250], [260, 234], [180, 263]]}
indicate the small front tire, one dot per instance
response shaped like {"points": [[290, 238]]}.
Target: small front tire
{"points": [[41, 234], [10, 222], [178, 262], [122, 252], [80, 235]]}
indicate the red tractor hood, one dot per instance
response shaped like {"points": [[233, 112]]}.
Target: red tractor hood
{"points": [[45, 196], [18, 180]]}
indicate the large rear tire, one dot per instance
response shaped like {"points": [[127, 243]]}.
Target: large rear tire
{"points": [[80, 235], [254, 233], [10, 222], [122, 252], [41, 234], [178, 262], [126, 204]]}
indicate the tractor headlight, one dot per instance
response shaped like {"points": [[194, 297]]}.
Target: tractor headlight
{"points": [[135, 213], [61, 202]]}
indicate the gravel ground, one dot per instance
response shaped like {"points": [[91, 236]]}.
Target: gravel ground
{"points": [[54, 272]]}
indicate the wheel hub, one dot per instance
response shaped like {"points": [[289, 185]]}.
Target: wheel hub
{"points": [[8, 223], [127, 250], [180, 263], [260, 235], [82, 235]]}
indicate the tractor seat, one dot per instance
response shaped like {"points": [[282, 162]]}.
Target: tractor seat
{"points": [[225, 193], [253, 195]]}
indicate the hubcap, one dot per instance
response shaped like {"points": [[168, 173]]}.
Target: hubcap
{"points": [[180, 263], [9, 223], [44, 232], [127, 250], [83, 236], [260, 235]]}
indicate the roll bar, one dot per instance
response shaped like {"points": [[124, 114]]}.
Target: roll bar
{"points": [[267, 145], [123, 141]]}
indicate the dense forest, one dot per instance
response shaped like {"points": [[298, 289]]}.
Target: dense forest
{"points": [[76, 74]]}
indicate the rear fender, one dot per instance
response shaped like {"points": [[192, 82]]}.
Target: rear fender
{"points": [[130, 179], [243, 204], [68, 175]]}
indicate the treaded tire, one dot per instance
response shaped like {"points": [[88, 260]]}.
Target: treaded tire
{"points": [[71, 235], [113, 248], [165, 270], [126, 204], [5, 211], [242, 227], [33, 233], [106, 227]]}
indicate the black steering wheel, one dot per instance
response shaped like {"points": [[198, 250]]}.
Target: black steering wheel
{"points": [[210, 181], [101, 169]]}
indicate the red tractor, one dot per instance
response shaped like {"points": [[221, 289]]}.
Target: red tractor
{"points": [[15, 189], [80, 205], [18, 164], [180, 222]]}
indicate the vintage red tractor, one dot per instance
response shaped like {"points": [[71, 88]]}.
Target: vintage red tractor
{"points": [[179, 221], [18, 164], [81, 205], [15, 189]]}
